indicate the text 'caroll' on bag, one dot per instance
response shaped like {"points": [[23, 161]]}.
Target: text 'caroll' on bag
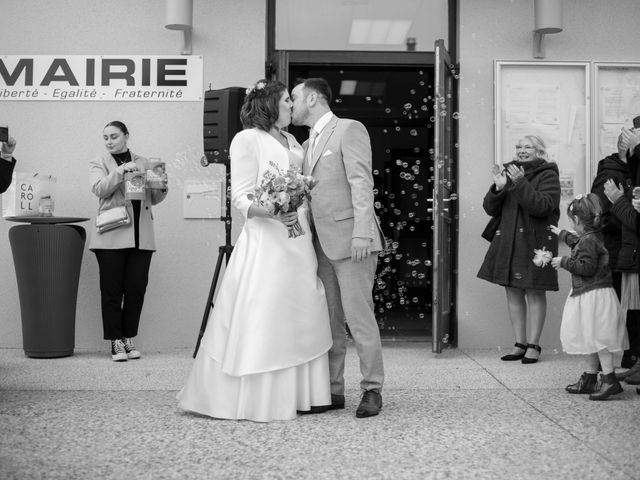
{"points": [[29, 195]]}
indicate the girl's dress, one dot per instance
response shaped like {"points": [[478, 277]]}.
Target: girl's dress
{"points": [[263, 355], [592, 319]]}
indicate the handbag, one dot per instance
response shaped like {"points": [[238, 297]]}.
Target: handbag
{"points": [[492, 227], [112, 218]]}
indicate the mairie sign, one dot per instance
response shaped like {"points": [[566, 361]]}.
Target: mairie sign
{"points": [[91, 78]]}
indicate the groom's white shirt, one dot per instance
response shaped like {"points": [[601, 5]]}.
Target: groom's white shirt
{"points": [[319, 127]]}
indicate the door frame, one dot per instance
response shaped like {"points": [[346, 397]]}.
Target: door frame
{"points": [[445, 204], [277, 66]]}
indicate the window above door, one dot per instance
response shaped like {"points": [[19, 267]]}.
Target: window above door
{"points": [[373, 25]]}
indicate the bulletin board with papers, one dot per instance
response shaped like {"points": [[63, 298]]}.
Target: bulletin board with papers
{"points": [[617, 95], [550, 100]]}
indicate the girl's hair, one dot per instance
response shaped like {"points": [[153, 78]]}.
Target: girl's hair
{"points": [[541, 148], [119, 125], [588, 209], [261, 105]]}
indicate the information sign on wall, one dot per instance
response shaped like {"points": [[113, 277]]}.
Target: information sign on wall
{"points": [[90, 78], [617, 91]]}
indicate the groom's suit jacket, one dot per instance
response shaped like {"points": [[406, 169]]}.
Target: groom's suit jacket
{"points": [[342, 201]]}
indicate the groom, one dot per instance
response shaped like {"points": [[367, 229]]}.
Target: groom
{"points": [[347, 236]]}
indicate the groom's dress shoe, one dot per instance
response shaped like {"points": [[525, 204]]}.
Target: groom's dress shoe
{"points": [[315, 409], [337, 402], [370, 405]]}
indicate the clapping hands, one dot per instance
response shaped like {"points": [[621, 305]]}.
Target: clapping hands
{"points": [[499, 178], [629, 138], [514, 173], [511, 171], [612, 191]]}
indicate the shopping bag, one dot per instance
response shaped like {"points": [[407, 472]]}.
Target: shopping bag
{"points": [[30, 194], [155, 174]]}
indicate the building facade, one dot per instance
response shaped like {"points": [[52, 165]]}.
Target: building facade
{"points": [[59, 138]]}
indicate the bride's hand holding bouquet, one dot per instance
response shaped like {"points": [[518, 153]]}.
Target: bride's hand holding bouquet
{"points": [[282, 193], [289, 218]]}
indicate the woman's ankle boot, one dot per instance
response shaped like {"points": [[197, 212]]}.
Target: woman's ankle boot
{"points": [[609, 385], [587, 384]]}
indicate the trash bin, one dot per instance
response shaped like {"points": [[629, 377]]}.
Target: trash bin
{"points": [[47, 255]]}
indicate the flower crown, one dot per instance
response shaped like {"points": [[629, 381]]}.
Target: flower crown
{"points": [[253, 88]]}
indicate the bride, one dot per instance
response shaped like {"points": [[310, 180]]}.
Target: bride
{"points": [[263, 355]]}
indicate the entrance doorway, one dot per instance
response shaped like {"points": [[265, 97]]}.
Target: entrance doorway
{"points": [[396, 106]]}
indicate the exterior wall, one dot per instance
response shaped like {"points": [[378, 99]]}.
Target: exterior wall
{"points": [[59, 139], [501, 30]]}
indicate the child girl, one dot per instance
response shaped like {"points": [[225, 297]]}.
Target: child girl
{"points": [[591, 321]]}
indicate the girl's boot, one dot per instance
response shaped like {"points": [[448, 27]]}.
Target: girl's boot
{"points": [[609, 385], [588, 383]]}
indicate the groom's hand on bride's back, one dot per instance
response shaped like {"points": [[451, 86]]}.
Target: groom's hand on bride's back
{"points": [[360, 249]]}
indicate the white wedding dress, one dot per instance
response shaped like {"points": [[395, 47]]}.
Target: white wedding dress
{"points": [[263, 355]]}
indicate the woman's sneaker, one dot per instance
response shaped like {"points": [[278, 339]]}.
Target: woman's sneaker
{"points": [[118, 352], [132, 351]]}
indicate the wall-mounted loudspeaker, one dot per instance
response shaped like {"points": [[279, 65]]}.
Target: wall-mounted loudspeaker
{"points": [[221, 122]]}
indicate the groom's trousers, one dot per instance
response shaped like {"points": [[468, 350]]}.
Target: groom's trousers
{"points": [[348, 286]]}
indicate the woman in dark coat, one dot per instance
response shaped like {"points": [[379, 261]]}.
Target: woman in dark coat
{"points": [[526, 197]]}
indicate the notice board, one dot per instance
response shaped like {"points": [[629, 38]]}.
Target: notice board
{"points": [[550, 100], [617, 99]]}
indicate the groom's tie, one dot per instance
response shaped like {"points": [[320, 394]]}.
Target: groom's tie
{"points": [[312, 143]]}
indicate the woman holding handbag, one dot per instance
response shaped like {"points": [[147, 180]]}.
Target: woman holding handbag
{"points": [[122, 240], [525, 196]]}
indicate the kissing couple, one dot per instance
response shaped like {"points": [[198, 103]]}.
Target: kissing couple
{"points": [[276, 339]]}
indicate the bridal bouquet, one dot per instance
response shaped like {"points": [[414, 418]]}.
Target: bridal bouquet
{"points": [[284, 192]]}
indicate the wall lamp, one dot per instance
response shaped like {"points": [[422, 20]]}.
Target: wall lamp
{"points": [[179, 16], [548, 19]]}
